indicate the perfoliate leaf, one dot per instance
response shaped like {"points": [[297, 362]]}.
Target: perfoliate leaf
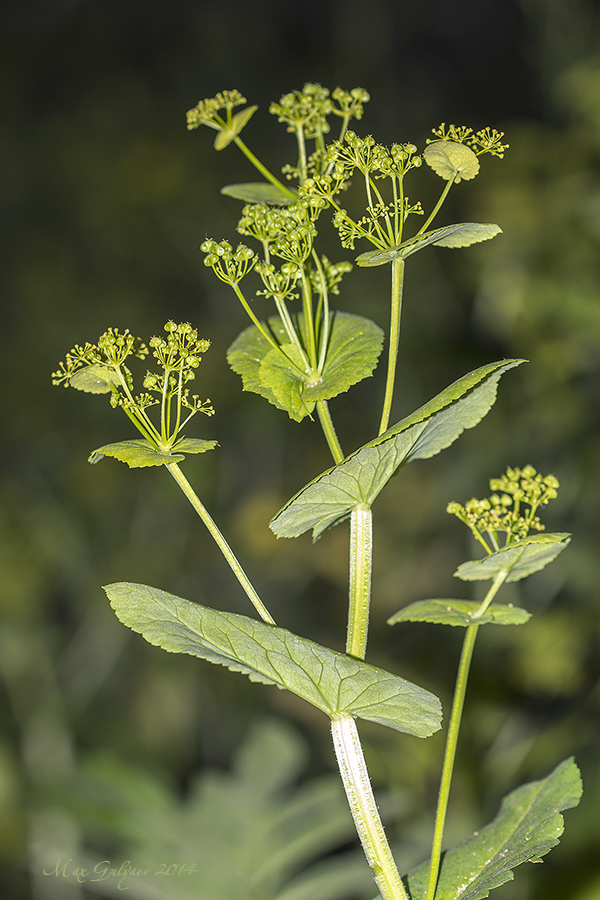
{"points": [[459, 612], [461, 235], [141, 453], [352, 353], [238, 122], [333, 682], [519, 559], [451, 160], [528, 825], [260, 192], [94, 379], [281, 376], [137, 454], [360, 477]]}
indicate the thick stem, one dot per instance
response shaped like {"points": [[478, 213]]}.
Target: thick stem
{"points": [[395, 316], [458, 703], [361, 554], [221, 543], [364, 810]]}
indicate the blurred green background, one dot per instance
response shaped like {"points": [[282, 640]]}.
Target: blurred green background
{"points": [[111, 749]]}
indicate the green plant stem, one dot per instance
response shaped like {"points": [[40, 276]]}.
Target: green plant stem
{"points": [[329, 431], [221, 543], [452, 738], [309, 324], [364, 810], [361, 554], [395, 316], [262, 169], [437, 206]]}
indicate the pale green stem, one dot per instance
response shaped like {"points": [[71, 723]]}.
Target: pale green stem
{"points": [[395, 316], [301, 152], [364, 810], [452, 738], [253, 318], [309, 324], [361, 555], [221, 543], [329, 431], [437, 206], [262, 169], [263, 330], [289, 329], [324, 335]]}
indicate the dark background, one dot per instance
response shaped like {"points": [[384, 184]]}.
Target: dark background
{"points": [[106, 198]]}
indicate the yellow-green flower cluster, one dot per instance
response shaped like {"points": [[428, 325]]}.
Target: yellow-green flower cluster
{"points": [[488, 140], [511, 510]]}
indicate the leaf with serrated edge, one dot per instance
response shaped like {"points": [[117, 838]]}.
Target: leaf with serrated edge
{"points": [[258, 192], [451, 160], [352, 354], [519, 559], [333, 682], [360, 477], [469, 233], [459, 612], [194, 445], [527, 826], [137, 454]]}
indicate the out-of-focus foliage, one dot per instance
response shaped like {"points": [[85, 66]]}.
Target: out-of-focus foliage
{"points": [[107, 199], [247, 833]]}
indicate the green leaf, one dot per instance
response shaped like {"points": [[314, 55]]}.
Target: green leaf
{"points": [[359, 478], [137, 454], [528, 825], [461, 235], [468, 233], [333, 682], [141, 453], [94, 379], [352, 354], [227, 135], [519, 559], [451, 160], [194, 445], [459, 612], [281, 377], [260, 192], [353, 351]]}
